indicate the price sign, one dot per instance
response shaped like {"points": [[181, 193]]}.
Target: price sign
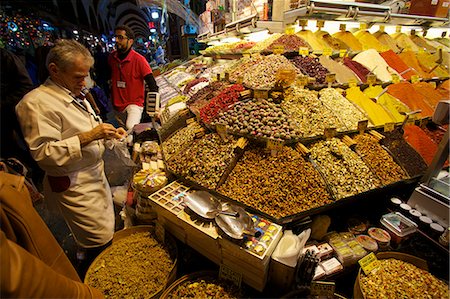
{"points": [[221, 130], [320, 23], [289, 29], [286, 75], [160, 232], [227, 76], [240, 79], [369, 263], [327, 52], [398, 29], [382, 27], [261, 94], [362, 125], [303, 23], [342, 53], [329, 133], [323, 288], [352, 83], [330, 78], [303, 51], [275, 144], [278, 49], [388, 127], [411, 120], [395, 78], [415, 79], [342, 27], [302, 81], [443, 34], [371, 79], [363, 26], [432, 83], [226, 273]]}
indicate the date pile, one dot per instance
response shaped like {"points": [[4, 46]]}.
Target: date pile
{"points": [[257, 118], [343, 169], [290, 42], [263, 75], [308, 114], [204, 161], [312, 67], [379, 161], [279, 186], [180, 139], [221, 102], [348, 113]]}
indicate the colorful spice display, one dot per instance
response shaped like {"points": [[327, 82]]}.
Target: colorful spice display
{"points": [[386, 40], [290, 42], [428, 63], [436, 133], [376, 64], [420, 141], [281, 185], [368, 40], [349, 39], [395, 62], [377, 114], [388, 102], [316, 43], [343, 73], [379, 161], [343, 169], [405, 92], [357, 68], [331, 41], [422, 43], [410, 58], [430, 94], [222, 102], [404, 42], [411, 161]]}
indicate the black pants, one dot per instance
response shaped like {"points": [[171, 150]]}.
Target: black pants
{"points": [[85, 257]]}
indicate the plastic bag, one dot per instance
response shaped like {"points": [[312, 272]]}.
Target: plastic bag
{"points": [[118, 164]]}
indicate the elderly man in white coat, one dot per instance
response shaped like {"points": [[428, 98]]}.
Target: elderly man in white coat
{"points": [[66, 138]]}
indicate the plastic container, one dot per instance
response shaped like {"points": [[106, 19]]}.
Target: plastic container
{"points": [[414, 215], [367, 242], [424, 223], [405, 208], [381, 236], [395, 203], [398, 226]]}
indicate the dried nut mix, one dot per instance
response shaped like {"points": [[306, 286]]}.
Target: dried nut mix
{"points": [[263, 74], [135, 266], [245, 63], [312, 67], [405, 154], [398, 279], [308, 114], [201, 288], [279, 186], [379, 160], [180, 139], [343, 169], [346, 111], [204, 161], [258, 118]]}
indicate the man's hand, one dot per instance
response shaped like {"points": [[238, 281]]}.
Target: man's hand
{"points": [[102, 131]]}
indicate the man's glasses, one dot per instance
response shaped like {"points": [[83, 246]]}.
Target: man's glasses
{"points": [[120, 37]]}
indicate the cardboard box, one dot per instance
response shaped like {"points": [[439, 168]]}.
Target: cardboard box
{"points": [[431, 8]]}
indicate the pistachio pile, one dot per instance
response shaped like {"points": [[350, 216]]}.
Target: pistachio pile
{"points": [[204, 161], [263, 74], [379, 161], [279, 186], [179, 140], [343, 169], [308, 114], [258, 118], [347, 112]]}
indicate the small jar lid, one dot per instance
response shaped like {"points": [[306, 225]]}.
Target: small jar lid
{"points": [[405, 207], [415, 213], [425, 219], [437, 227], [396, 200]]}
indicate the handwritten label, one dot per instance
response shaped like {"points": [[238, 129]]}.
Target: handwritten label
{"points": [[398, 29], [302, 81], [362, 125], [278, 49], [342, 53], [303, 23], [226, 273], [369, 263], [160, 232], [221, 130], [388, 127], [327, 52], [415, 79], [371, 79], [275, 144], [289, 29], [362, 26], [382, 27], [286, 75], [395, 78], [342, 27], [240, 79], [330, 78], [261, 94], [303, 51], [323, 288], [352, 83], [320, 23], [329, 133]]}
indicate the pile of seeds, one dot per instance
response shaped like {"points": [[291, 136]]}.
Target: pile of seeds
{"points": [[239, 69], [204, 161], [379, 161], [308, 114], [180, 139], [201, 288], [281, 185], [343, 169], [136, 266]]}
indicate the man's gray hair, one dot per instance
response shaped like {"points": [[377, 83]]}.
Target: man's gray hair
{"points": [[65, 51]]}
